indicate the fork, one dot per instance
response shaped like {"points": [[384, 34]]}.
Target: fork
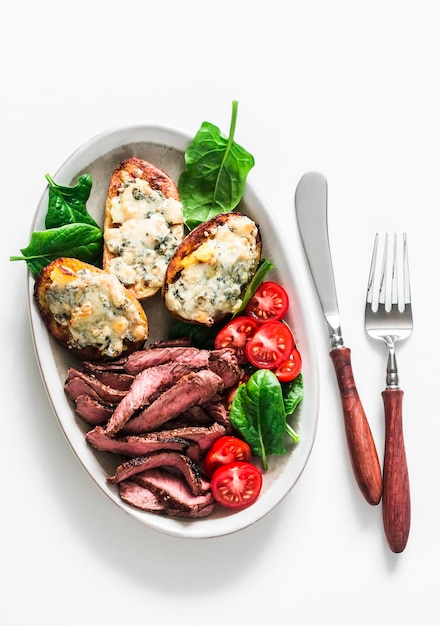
{"points": [[388, 317]]}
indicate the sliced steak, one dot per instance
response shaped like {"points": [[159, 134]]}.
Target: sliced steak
{"points": [[150, 357], [115, 380], [217, 412], [91, 410], [194, 388], [203, 436], [180, 462], [224, 363], [135, 495], [133, 446], [78, 383], [146, 387], [180, 502], [171, 343], [97, 367]]}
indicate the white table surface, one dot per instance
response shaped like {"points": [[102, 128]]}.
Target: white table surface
{"points": [[351, 89]]}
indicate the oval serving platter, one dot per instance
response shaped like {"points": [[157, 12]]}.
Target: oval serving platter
{"points": [[165, 148]]}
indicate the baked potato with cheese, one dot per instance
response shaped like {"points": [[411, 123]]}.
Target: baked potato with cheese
{"points": [[88, 311], [208, 274], [143, 226]]}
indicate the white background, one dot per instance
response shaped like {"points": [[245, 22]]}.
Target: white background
{"points": [[348, 88]]}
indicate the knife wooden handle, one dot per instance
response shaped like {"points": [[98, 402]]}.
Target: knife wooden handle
{"points": [[396, 504], [363, 453]]}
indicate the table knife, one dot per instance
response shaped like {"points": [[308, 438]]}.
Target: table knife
{"points": [[311, 213]]}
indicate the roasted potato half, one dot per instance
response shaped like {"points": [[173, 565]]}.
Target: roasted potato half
{"points": [[88, 311], [208, 274], [143, 226]]}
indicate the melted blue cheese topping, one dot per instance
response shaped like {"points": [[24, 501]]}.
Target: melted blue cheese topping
{"points": [[149, 229], [96, 310], [212, 277]]}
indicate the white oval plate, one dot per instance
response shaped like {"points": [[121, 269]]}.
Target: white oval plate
{"points": [[165, 148]]}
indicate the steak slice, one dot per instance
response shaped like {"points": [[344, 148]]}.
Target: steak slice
{"points": [[115, 380], [141, 359], [78, 383], [202, 435], [91, 410], [180, 502], [194, 388], [180, 462], [132, 493], [224, 363], [137, 445], [146, 386]]}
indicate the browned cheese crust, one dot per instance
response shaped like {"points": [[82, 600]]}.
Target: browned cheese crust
{"points": [[66, 269], [126, 172]]}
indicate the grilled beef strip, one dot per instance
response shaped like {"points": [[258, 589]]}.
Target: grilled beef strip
{"points": [[174, 492], [193, 441], [96, 367], [141, 359], [202, 435], [134, 445], [140, 497], [115, 380], [92, 411], [78, 383], [224, 363], [146, 387], [180, 462], [191, 389]]}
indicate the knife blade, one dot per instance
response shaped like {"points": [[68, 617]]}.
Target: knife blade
{"points": [[311, 212]]}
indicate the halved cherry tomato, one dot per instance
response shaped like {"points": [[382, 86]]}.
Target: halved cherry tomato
{"points": [[226, 450], [270, 345], [236, 485], [235, 335], [270, 302], [290, 368]]}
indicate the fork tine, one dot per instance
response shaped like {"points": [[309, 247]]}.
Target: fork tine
{"points": [[370, 287], [383, 275], [406, 287]]}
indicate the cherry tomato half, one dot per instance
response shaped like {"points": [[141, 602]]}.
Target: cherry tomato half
{"points": [[236, 485], [270, 302], [226, 450], [290, 368], [235, 335], [270, 345]]}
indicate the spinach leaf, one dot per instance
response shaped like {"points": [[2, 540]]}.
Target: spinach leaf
{"points": [[67, 205], [81, 241], [293, 393], [215, 173], [258, 414]]}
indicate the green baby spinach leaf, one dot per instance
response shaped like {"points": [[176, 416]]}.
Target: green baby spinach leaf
{"points": [[67, 205], [216, 168], [258, 414], [81, 241], [293, 393]]}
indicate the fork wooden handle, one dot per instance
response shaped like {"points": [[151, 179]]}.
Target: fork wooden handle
{"points": [[363, 453], [396, 502]]}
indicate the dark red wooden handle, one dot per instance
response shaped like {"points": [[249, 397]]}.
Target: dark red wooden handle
{"points": [[396, 502], [363, 453]]}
